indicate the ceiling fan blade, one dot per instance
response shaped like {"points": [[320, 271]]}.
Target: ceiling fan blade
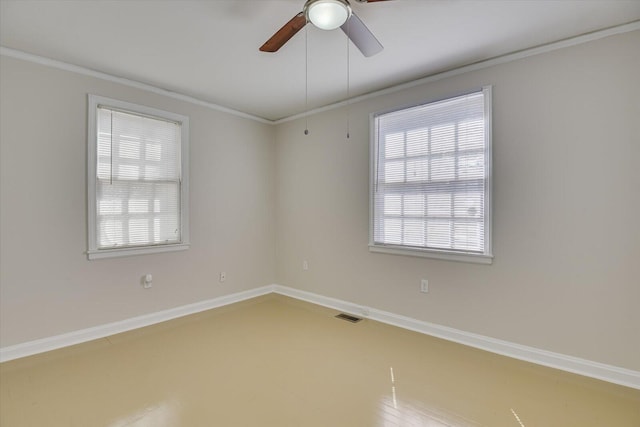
{"points": [[360, 35], [285, 33]]}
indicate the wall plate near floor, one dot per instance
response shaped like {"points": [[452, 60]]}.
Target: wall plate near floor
{"points": [[147, 281], [424, 286]]}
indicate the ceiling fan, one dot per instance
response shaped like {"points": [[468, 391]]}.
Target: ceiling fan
{"points": [[328, 15]]}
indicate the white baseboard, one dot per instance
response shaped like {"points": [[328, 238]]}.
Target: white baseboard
{"points": [[601, 371], [613, 374], [30, 348]]}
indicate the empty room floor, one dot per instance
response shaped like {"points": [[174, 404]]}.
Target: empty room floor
{"points": [[275, 361]]}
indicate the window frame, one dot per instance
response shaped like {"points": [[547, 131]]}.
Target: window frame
{"points": [[442, 254], [93, 252]]}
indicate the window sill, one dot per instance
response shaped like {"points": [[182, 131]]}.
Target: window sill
{"points": [[146, 250], [442, 255]]}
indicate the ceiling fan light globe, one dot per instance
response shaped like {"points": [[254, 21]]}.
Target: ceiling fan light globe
{"points": [[328, 14]]}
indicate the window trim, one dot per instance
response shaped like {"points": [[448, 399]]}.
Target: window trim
{"points": [[441, 254], [93, 252]]}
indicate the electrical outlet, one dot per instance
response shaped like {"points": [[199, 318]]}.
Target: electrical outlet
{"points": [[305, 265], [223, 276], [424, 286], [147, 281]]}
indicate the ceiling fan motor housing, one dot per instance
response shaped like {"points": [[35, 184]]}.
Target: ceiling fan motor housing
{"points": [[327, 14]]}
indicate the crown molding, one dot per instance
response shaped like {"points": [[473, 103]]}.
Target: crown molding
{"points": [[514, 56], [18, 54]]}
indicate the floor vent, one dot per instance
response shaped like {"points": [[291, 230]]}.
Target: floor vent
{"points": [[349, 318]]}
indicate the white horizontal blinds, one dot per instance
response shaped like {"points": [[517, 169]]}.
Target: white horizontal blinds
{"points": [[430, 178], [138, 180]]}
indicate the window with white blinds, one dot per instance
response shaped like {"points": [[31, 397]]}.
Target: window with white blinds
{"points": [[138, 188], [431, 179]]}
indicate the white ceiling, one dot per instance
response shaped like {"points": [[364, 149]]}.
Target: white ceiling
{"points": [[209, 49]]}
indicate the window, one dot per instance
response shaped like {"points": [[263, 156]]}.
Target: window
{"points": [[431, 179], [138, 191]]}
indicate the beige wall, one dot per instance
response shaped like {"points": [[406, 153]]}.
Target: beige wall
{"points": [[47, 284], [566, 274]]}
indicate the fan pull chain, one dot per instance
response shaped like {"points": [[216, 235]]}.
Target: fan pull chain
{"points": [[348, 79], [306, 80]]}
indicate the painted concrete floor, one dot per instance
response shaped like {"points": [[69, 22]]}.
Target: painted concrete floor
{"points": [[274, 361]]}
